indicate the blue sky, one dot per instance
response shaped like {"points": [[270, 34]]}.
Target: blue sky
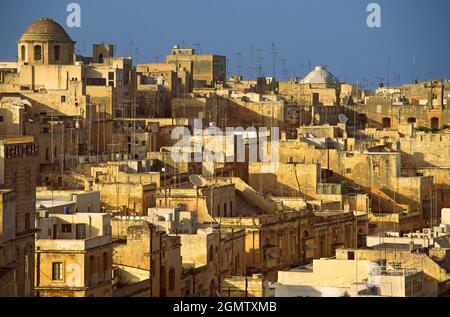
{"points": [[316, 32]]}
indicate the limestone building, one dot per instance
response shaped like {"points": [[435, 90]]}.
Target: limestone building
{"points": [[73, 256], [207, 70], [18, 173], [147, 261]]}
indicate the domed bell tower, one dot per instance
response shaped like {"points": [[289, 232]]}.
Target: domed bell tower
{"points": [[45, 42]]}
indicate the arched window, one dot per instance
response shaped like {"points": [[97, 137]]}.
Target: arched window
{"points": [[211, 253], [93, 269], [100, 58], [37, 53], [412, 120], [105, 263], [212, 288], [22, 52], [171, 279], [434, 123], [56, 52], [266, 245]]}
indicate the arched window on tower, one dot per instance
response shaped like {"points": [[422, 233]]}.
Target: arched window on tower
{"points": [[105, 265], [100, 58], [37, 53], [56, 52], [93, 270], [171, 279], [22, 52]]}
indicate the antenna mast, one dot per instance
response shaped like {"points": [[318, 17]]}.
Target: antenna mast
{"points": [[274, 60], [238, 56], [285, 72]]}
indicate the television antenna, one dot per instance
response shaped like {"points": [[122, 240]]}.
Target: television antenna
{"points": [[238, 56], [274, 60], [285, 72]]}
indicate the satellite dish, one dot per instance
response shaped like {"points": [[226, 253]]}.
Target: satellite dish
{"points": [[197, 180], [342, 118], [317, 118]]}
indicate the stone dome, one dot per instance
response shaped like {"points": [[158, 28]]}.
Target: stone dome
{"points": [[45, 30], [320, 75]]}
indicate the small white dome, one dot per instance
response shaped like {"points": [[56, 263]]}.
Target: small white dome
{"points": [[320, 76]]}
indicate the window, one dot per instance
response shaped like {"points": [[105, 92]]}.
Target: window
{"points": [[225, 209], [265, 248], [434, 123], [63, 98], [80, 231], [211, 253], [28, 183], [27, 221], [350, 255], [293, 243], [362, 238], [22, 52], [96, 82], [14, 180], [111, 76], [386, 122], [100, 58], [105, 261], [1, 118], [171, 279], [37, 53], [152, 267], [92, 268], [56, 50], [348, 171], [57, 271], [66, 228]]}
